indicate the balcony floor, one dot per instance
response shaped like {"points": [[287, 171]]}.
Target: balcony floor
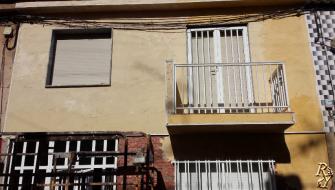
{"points": [[246, 122]]}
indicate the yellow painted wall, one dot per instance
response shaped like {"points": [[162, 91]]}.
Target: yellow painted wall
{"points": [[138, 80], [135, 100], [306, 152], [286, 40]]}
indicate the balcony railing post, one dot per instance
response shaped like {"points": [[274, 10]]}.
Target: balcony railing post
{"points": [[286, 89], [171, 83]]}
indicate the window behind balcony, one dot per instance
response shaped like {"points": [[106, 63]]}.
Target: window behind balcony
{"points": [[218, 77], [80, 58]]}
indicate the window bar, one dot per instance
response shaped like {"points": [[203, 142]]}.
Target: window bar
{"points": [[23, 158], [197, 70], [179, 176], [7, 166], [78, 150], [273, 175], [229, 94], [250, 186], [270, 171], [218, 184], [176, 172], [227, 61], [187, 175], [206, 172], [258, 87], [50, 159], [35, 160], [238, 177], [203, 72], [239, 68], [174, 89], [93, 157], [200, 174], [67, 150], [264, 86], [212, 183], [241, 172], [197, 174], [263, 173], [115, 160], [260, 169], [183, 93], [229, 174], [190, 81], [104, 159], [270, 86], [210, 68], [225, 175]]}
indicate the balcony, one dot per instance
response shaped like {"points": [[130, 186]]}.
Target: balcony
{"points": [[234, 94]]}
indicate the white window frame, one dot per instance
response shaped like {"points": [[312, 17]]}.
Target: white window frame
{"points": [[218, 59]]}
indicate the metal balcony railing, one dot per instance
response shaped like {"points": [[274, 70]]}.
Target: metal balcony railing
{"points": [[230, 88]]}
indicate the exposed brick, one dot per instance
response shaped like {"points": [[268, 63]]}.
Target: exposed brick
{"points": [[165, 179]]}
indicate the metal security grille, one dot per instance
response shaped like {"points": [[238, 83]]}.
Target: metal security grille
{"points": [[225, 175], [76, 161], [56, 158]]}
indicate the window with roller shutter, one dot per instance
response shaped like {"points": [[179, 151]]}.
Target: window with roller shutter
{"points": [[80, 57]]}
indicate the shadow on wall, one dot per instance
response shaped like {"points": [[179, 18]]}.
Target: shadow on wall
{"points": [[289, 182], [230, 146]]}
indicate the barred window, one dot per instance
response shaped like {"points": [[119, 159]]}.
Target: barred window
{"points": [[54, 157], [208, 175]]}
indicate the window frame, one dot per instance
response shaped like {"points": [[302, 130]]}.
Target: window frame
{"points": [[65, 33]]}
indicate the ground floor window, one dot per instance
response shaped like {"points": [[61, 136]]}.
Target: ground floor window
{"points": [[52, 160], [225, 175]]}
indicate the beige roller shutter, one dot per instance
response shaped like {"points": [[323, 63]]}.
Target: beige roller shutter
{"points": [[82, 62]]}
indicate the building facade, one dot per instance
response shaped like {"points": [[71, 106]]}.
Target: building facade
{"points": [[201, 94]]}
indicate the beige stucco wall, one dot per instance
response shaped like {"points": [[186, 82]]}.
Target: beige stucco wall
{"points": [[134, 101]]}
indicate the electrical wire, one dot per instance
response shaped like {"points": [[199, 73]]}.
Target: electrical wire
{"points": [[3, 55], [161, 23]]}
